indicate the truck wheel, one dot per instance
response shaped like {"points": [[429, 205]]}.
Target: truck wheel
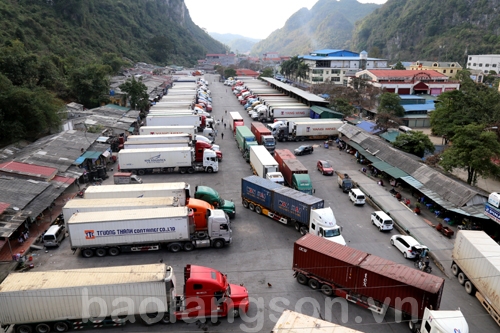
{"points": [[210, 170], [166, 318], [182, 170], [412, 326], [313, 283], [175, 247], [24, 329], [141, 172], [236, 313], [455, 269], [61, 326], [87, 253], [302, 279], [42, 328], [251, 206], [327, 290], [148, 319], [188, 246], [113, 251], [191, 170], [469, 288], [245, 203], [100, 252], [258, 210], [303, 230], [297, 226], [218, 244], [461, 278]]}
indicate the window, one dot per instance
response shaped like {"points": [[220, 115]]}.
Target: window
{"points": [[197, 286], [494, 65], [317, 71], [317, 79], [428, 326], [326, 72], [480, 65], [486, 65], [475, 64], [468, 65], [335, 71], [444, 71], [451, 71], [470, 58], [336, 79]]}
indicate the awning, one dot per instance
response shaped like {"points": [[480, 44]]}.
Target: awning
{"points": [[102, 139], [396, 173], [87, 155], [382, 166], [131, 129]]}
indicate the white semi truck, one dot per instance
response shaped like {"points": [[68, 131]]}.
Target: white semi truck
{"points": [[312, 129], [163, 160], [149, 229], [284, 111], [180, 120], [179, 190], [264, 165]]}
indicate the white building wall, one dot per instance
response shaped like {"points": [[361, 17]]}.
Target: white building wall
{"points": [[484, 63]]}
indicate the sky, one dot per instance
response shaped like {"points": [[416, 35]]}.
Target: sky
{"points": [[255, 19]]}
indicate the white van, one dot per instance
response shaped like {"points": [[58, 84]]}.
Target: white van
{"points": [[357, 196], [382, 220], [54, 236]]}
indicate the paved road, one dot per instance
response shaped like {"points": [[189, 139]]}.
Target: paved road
{"points": [[262, 248]]}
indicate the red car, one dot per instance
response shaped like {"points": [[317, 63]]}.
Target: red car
{"points": [[325, 168]]}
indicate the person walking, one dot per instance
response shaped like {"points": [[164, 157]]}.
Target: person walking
{"points": [[224, 125], [222, 136]]}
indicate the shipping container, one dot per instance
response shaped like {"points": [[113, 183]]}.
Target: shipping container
{"points": [[181, 120], [243, 134], [259, 190], [280, 155], [295, 322], [262, 161], [161, 130], [313, 128], [356, 275], [294, 204], [179, 190], [160, 138], [235, 120], [296, 175]]}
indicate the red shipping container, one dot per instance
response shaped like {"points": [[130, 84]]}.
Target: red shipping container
{"points": [[259, 129], [280, 155]]}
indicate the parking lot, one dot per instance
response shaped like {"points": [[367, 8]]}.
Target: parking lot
{"points": [[261, 254]]}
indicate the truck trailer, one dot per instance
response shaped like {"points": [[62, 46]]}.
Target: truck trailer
{"points": [[263, 136], [199, 147], [74, 299], [149, 229], [177, 120], [476, 264], [161, 130], [295, 322], [163, 160], [245, 139], [288, 206], [235, 120], [283, 111], [146, 138], [264, 165], [179, 190], [296, 175], [374, 283]]}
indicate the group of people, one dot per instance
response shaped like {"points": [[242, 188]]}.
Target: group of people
{"points": [[23, 236]]}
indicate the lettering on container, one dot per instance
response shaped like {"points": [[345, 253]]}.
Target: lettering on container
{"points": [[302, 249], [155, 159], [286, 206], [251, 192], [365, 280], [93, 234]]}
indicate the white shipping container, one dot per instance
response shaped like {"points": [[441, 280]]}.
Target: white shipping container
{"points": [[478, 256], [178, 190], [289, 111], [313, 127], [175, 105], [150, 158], [101, 205], [159, 130], [60, 295], [294, 322], [162, 137], [138, 226], [158, 144], [262, 161], [181, 120]]}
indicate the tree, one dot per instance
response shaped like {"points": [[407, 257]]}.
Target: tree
{"points": [[90, 84], [268, 72], [159, 48], [343, 105], [137, 93], [390, 103], [399, 65], [228, 72], [415, 142], [384, 121], [114, 61], [473, 150], [302, 70]]}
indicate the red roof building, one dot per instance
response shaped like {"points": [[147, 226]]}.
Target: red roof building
{"points": [[246, 72], [29, 170]]}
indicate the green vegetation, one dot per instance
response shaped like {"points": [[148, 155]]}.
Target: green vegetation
{"points": [[137, 94], [294, 68], [391, 103], [415, 142]]}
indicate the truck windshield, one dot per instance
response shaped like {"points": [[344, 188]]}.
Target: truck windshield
{"points": [[269, 143], [331, 232]]}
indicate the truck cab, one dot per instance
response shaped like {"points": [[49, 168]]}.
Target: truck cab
{"points": [[201, 146], [211, 196], [200, 209], [302, 182], [219, 227], [246, 152], [324, 224], [442, 321], [210, 161], [276, 177], [269, 142]]}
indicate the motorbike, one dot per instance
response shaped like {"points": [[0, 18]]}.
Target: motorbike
{"points": [[420, 265]]}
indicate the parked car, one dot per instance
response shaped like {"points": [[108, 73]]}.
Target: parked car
{"points": [[407, 245], [325, 168], [304, 149]]}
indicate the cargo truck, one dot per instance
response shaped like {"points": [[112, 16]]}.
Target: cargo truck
{"points": [[245, 139], [309, 130], [344, 181], [282, 111], [199, 147], [235, 120], [212, 197], [264, 136], [149, 229], [126, 178], [179, 190], [374, 283], [296, 175], [295, 322], [476, 264], [167, 130], [180, 120], [74, 299], [288, 206], [264, 165], [163, 160]]}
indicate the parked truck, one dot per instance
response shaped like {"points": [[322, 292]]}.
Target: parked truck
{"points": [[476, 264], [199, 147], [295, 322], [374, 283], [177, 120], [179, 190], [288, 206], [162, 160], [282, 111], [235, 120], [166, 130], [74, 299], [312, 129], [263, 136], [245, 139], [126, 178], [212, 197], [296, 175], [264, 165], [149, 229], [344, 181]]}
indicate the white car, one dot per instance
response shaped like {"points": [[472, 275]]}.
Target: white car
{"points": [[407, 245]]}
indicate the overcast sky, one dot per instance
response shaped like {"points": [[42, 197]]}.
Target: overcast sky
{"points": [[254, 19]]}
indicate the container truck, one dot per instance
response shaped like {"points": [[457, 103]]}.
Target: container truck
{"points": [[288, 206], [245, 139], [312, 129], [149, 229], [235, 120], [162, 160], [282, 111], [295, 322], [199, 146], [476, 264], [264, 165], [74, 299], [212, 197], [344, 181], [179, 190], [191, 130], [147, 138], [374, 283], [180, 120], [126, 178], [296, 175], [263, 136]]}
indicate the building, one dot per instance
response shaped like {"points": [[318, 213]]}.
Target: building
{"points": [[485, 62], [338, 65], [450, 69], [221, 59], [244, 72]]}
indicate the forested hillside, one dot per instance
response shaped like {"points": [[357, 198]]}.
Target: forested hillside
{"points": [[445, 30], [329, 24]]}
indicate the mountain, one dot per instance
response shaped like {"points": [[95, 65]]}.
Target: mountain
{"points": [[155, 31], [237, 43], [328, 24], [444, 30]]}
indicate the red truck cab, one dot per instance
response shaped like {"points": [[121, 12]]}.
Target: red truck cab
{"points": [[200, 148], [207, 293]]}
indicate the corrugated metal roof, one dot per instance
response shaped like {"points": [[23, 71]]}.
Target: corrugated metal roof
{"points": [[153, 213], [382, 166], [396, 173], [320, 109], [390, 135], [28, 169], [4, 206], [368, 126], [83, 277], [299, 92]]}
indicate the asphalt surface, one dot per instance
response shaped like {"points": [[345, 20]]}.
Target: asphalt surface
{"points": [[261, 252]]}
